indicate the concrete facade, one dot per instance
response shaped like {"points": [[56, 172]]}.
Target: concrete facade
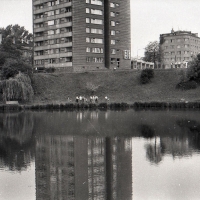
{"points": [[178, 48], [82, 35]]}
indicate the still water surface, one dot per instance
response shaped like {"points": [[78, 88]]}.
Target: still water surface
{"points": [[102, 155]]}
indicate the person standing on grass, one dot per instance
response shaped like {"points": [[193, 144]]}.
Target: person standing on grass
{"points": [[77, 99], [107, 99], [90, 99], [80, 98], [96, 99]]}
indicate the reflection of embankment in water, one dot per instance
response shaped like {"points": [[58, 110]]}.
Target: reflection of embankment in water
{"points": [[16, 140], [87, 168], [110, 123]]}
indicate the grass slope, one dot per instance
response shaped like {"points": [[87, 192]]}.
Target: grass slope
{"points": [[119, 86]]}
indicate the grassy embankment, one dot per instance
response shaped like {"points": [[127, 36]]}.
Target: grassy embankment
{"points": [[119, 86]]}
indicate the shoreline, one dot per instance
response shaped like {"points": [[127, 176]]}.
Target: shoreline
{"points": [[101, 106]]}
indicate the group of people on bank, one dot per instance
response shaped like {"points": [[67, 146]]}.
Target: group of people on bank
{"points": [[81, 99], [92, 99]]}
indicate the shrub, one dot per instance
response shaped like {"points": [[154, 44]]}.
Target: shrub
{"points": [[115, 105], [124, 105], [146, 76], [103, 105], [194, 69], [50, 70], [187, 85]]}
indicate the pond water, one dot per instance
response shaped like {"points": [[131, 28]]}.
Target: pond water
{"points": [[100, 155]]}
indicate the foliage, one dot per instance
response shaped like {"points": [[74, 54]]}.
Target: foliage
{"points": [[17, 88], [194, 69], [153, 53], [91, 87], [12, 67], [15, 38], [3, 56], [183, 75], [190, 77], [9, 50], [186, 85], [146, 76], [50, 70], [18, 34]]}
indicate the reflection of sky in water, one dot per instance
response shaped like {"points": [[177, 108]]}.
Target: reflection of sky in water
{"points": [[173, 178], [18, 185]]}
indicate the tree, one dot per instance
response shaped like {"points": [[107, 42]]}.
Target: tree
{"points": [[18, 34], [17, 88], [14, 39], [12, 67], [190, 78], [15, 72], [153, 53]]}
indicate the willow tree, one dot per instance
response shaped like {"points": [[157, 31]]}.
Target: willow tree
{"points": [[18, 88]]}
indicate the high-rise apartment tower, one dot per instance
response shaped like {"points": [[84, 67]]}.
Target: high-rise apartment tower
{"points": [[82, 34]]}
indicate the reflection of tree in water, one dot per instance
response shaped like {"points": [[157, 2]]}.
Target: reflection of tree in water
{"points": [[18, 126], [193, 129], [154, 151], [16, 140]]}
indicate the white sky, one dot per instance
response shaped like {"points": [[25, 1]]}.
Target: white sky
{"points": [[149, 18]]}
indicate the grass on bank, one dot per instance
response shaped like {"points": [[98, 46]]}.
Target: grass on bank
{"points": [[119, 86]]}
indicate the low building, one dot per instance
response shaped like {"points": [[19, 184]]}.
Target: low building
{"points": [[141, 64], [183, 64]]}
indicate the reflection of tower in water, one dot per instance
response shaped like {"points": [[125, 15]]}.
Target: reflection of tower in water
{"points": [[83, 168], [118, 168], [96, 168], [55, 168], [93, 115]]}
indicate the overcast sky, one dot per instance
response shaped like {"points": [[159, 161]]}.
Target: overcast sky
{"points": [[149, 18]]}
